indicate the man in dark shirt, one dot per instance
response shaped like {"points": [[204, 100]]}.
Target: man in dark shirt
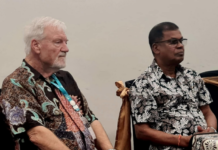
{"points": [[43, 105], [170, 102]]}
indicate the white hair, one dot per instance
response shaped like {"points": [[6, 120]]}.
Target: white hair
{"points": [[35, 30]]}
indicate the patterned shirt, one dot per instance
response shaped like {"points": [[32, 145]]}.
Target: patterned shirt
{"points": [[29, 100], [169, 104]]}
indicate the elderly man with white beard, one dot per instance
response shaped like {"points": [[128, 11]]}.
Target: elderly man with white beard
{"points": [[43, 105]]}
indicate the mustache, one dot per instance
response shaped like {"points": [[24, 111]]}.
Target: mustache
{"points": [[62, 54]]}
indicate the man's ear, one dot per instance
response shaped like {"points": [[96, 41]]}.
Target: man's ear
{"points": [[35, 46], [155, 48]]}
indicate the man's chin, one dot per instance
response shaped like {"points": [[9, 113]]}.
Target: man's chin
{"points": [[179, 60], [58, 66]]}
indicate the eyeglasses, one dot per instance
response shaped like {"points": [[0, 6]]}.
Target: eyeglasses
{"points": [[174, 42]]}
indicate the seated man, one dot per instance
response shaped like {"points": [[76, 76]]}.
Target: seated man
{"points": [[169, 102], [43, 105]]}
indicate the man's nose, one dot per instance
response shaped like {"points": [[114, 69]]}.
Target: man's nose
{"points": [[180, 45], [65, 47]]}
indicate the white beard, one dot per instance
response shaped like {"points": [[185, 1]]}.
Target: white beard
{"points": [[59, 64]]}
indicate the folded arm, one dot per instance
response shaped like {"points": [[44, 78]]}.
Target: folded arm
{"points": [[45, 139]]}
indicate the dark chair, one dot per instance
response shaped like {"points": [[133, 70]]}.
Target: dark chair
{"points": [[138, 144], [144, 145], [213, 91], [6, 139]]}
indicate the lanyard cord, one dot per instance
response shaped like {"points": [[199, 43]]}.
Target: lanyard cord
{"points": [[64, 92]]}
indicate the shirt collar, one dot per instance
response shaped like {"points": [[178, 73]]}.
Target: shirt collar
{"points": [[159, 73], [36, 74]]}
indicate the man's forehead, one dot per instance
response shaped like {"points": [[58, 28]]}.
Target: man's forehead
{"points": [[52, 28], [53, 31], [172, 34]]}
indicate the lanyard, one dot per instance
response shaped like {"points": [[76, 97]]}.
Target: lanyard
{"points": [[64, 92]]}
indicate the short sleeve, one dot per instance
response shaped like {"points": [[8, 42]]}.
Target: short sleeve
{"points": [[203, 93], [20, 108], [143, 104], [90, 116]]}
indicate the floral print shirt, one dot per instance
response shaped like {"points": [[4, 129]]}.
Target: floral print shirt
{"points": [[169, 104], [29, 100]]}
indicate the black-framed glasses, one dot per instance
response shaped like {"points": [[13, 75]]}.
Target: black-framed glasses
{"points": [[174, 42]]}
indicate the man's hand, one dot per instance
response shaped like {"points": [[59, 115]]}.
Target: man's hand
{"points": [[203, 130]]}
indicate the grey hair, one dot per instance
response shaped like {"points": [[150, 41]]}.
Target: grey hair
{"points": [[35, 30]]}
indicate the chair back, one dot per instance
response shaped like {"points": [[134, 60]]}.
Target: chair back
{"points": [[138, 144], [213, 90]]}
